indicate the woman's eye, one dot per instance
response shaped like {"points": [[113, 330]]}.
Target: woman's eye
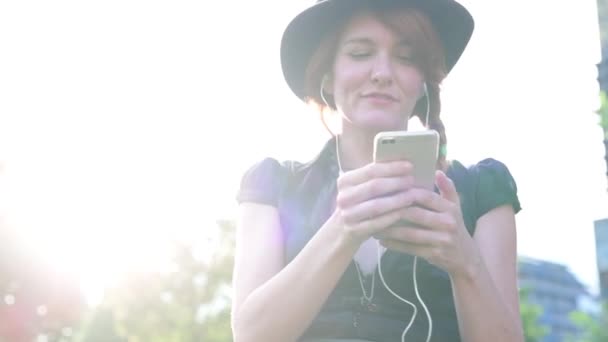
{"points": [[359, 54]]}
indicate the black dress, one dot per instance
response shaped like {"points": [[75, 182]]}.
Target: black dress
{"points": [[304, 194]]}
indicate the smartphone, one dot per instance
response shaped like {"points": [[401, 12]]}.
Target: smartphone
{"points": [[420, 148]]}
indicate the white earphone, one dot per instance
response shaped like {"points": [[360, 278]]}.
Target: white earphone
{"points": [[428, 104], [323, 80], [322, 92]]}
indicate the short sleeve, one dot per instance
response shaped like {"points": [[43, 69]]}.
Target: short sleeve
{"points": [[263, 183], [495, 186]]}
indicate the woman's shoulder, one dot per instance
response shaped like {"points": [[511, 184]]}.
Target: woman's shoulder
{"points": [[266, 179], [263, 180], [489, 183], [488, 167]]}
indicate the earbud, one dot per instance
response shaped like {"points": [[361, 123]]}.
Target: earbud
{"points": [[428, 104], [322, 90], [323, 81]]}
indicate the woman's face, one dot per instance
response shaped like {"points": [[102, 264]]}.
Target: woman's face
{"points": [[374, 82]]}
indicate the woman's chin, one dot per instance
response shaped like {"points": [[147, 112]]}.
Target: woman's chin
{"points": [[383, 124]]}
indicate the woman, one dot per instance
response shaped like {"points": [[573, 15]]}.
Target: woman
{"points": [[306, 265]]}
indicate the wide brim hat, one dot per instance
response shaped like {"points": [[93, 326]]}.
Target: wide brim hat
{"points": [[452, 21]]}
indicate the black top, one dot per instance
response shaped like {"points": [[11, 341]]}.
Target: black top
{"points": [[304, 194]]}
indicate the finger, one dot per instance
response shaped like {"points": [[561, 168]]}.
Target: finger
{"points": [[374, 225], [416, 236], [446, 186], [353, 212], [373, 170], [377, 206], [429, 200], [428, 218], [422, 251], [375, 188]]}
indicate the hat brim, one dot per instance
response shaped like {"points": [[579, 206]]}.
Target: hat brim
{"points": [[452, 21]]}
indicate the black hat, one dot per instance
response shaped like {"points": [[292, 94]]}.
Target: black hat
{"points": [[453, 23]]}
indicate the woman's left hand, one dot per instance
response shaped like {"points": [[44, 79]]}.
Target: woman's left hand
{"points": [[437, 231]]}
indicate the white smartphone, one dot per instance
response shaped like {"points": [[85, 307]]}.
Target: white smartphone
{"points": [[420, 148]]}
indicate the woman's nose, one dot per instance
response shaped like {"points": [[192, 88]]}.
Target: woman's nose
{"points": [[382, 73]]}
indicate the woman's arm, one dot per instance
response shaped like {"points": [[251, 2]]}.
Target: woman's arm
{"points": [[482, 268], [486, 298], [273, 303]]}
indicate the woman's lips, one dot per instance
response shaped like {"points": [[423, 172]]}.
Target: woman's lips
{"points": [[379, 98]]}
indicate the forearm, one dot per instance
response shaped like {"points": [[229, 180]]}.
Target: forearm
{"points": [[283, 307], [482, 314]]}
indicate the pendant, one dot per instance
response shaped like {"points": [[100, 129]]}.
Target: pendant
{"points": [[368, 303]]}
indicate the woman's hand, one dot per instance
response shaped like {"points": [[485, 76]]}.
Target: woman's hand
{"points": [[369, 199], [436, 229]]}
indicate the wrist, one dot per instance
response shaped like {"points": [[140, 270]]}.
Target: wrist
{"points": [[470, 272], [345, 240]]}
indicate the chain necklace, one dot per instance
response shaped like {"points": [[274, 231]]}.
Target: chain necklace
{"points": [[366, 300]]}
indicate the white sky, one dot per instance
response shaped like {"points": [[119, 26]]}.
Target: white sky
{"points": [[124, 124]]}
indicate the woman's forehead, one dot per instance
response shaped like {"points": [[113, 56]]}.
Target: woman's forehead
{"points": [[364, 25]]}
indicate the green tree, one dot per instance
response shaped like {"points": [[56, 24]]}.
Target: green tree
{"points": [[602, 112], [593, 328], [530, 313], [191, 303]]}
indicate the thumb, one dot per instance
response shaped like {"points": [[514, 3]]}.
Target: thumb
{"points": [[446, 186]]}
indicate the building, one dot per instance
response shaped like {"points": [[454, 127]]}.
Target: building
{"points": [[602, 78], [601, 248], [553, 287]]}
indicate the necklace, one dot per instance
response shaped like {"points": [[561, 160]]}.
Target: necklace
{"points": [[366, 299]]}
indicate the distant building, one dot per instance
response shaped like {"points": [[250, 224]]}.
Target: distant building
{"points": [[553, 287], [602, 11], [601, 249], [602, 66]]}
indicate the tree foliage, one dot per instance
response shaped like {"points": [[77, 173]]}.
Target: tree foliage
{"points": [[190, 303], [603, 113], [594, 328], [530, 314]]}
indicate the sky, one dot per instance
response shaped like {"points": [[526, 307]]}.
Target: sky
{"points": [[127, 124]]}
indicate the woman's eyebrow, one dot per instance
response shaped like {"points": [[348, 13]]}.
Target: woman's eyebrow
{"points": [[358, 40]]}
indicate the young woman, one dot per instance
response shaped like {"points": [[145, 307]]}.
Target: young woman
{"points": [[310, 235]]}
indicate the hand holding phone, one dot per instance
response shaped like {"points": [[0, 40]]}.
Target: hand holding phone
{"points": [[370, 197], [420, 148]]}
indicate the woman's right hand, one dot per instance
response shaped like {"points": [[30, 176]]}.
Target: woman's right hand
{"points": [[369, 199]]}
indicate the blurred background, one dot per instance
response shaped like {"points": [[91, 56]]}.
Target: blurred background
{"points": [[125, 127]]}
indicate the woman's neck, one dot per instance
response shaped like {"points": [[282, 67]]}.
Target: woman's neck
{"points": [[355, 148]]}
